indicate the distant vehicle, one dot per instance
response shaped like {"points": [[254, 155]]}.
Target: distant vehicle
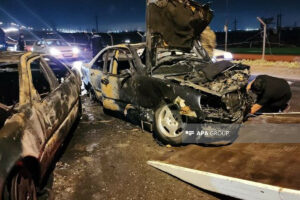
{"points": [[29, 45], [181, 87], [220, 55], [57, 48], [39, 103], [3, 45]]}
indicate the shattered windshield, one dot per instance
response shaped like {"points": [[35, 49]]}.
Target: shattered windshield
{"points": [[9, 84]]}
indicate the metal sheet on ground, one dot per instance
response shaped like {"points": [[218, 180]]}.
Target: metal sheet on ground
{"points": [[274, 164]]}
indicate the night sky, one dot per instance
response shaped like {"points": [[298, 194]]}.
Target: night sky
{"points": [[130, 14]]}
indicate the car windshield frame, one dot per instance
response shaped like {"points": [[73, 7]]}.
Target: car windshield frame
{"points": [[56, 43]]}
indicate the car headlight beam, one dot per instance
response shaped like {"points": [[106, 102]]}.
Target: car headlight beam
{"points": [[228, 56], [54, 52], [76, 50]]}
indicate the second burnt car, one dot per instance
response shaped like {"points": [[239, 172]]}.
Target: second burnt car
{"points": [[39, 104]]}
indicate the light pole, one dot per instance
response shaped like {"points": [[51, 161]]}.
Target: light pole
{"points": [[265, 36], [226, 36]]}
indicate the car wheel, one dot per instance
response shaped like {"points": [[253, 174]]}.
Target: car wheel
{"points": [[22, 187], [168, 125]]}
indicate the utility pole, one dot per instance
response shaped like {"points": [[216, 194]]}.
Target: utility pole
{"points": [[235, 24], [279, 26], [226, 25], [226, 35], [265, 37], [97, 24]]}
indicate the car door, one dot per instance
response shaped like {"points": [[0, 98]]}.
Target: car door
{"points": [[68, 88], [59, 105], [44, 103], [116, 79], [96, 73]]}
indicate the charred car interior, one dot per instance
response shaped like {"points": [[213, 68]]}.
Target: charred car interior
{"points": [[9, 96]]}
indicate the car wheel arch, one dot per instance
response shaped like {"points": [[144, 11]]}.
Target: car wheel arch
{"points": [[31, 164]]}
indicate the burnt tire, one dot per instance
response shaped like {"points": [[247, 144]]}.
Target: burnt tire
{"points": [[21, 186], [168, 125]]}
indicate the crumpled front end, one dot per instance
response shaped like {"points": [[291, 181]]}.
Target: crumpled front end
{"points": [[223, 90]]}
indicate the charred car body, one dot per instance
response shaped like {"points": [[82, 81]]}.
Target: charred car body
{"points": [[39, 103], [170, 80]]}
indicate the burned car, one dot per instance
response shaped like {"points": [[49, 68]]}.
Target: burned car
{"points": [[39, 104], [170, 80]]}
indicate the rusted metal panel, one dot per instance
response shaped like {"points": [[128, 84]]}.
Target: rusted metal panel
{"points": [[37, 127]]}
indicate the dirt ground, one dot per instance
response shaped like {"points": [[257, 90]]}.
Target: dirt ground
{"points": [[106, 159], [279, 70], [289, 58]]}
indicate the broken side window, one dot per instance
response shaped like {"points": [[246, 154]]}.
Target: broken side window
{"points": [[39, 79], [9, 84], [99, 63], [124, 62], [60, 70]]}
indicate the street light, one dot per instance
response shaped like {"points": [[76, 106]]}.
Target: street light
{"points": [[265, 36]]}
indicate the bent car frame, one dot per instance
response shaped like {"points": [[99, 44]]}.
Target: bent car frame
{"points": [[39, 103]]}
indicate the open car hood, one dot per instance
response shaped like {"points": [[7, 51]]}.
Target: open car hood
{"points": [[176, 23]]}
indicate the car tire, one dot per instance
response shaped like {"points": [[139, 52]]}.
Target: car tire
{"points": [[21, 186], [168, 125]]}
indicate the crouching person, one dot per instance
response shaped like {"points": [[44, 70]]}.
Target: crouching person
{"points": [[273, 94]]}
